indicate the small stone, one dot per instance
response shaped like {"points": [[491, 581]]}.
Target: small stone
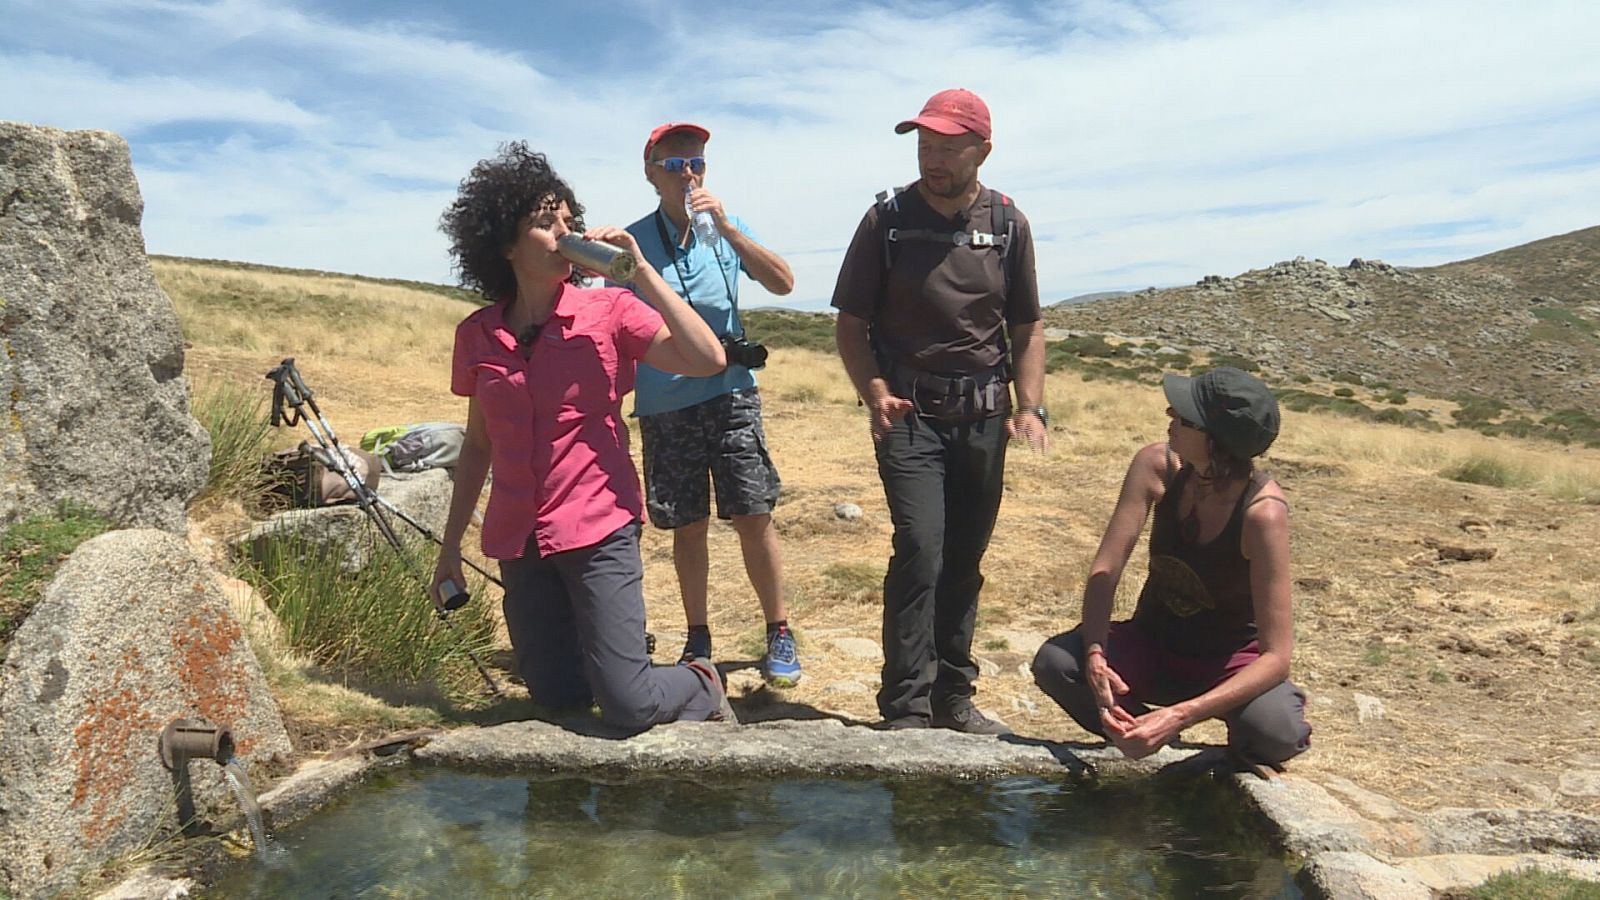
{"points": [[987, 668], [857, 648], [1580, 783], [846, 687], [1368, 708], [1024, 704], [847, 511]]}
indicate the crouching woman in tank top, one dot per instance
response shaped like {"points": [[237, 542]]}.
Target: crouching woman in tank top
{"points": [[1212, 633]]}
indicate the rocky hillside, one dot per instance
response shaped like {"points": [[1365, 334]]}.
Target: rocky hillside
{"points": [[1520, 326]]}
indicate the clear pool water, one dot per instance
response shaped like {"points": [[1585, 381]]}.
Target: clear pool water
{"points": [[420, 832]]}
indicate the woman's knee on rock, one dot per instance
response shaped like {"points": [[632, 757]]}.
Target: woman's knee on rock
{"points": [[1055, 666], [1272, 728]]}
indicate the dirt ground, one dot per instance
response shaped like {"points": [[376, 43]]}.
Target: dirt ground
{"points": [[1485, 668]]}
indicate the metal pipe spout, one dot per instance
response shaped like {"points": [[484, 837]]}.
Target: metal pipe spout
{"points": [[186, 739]]}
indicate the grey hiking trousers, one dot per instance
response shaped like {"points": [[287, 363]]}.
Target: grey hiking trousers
{"points": [[577, 628]]}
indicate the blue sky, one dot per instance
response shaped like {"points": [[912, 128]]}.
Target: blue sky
{"points": [[1150, 143]]}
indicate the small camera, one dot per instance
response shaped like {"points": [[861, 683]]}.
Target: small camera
{"points": [[743, 352]]}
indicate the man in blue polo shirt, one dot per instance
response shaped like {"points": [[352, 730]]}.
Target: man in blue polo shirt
{"points": [[693, 428]]}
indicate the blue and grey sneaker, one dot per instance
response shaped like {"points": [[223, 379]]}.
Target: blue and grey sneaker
{"points": [[781, 664]]}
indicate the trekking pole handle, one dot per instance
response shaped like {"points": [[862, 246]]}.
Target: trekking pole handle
{"points": [[300, 389]]}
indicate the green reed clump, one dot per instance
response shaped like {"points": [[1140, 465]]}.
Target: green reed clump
{"points": [[375, 622], [237, 420]]}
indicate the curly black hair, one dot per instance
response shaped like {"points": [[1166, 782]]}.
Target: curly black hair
{"points": [[488, 211]]}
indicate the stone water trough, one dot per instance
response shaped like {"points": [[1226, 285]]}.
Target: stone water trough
{"points": [[1346, 842]]}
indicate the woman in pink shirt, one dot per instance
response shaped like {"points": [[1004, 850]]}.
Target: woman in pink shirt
{"points": [[545, 368]]}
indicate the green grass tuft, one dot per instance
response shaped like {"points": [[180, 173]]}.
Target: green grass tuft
{"points": [[859, 581], [30, 553], [1532, 884], [1486, 470]]}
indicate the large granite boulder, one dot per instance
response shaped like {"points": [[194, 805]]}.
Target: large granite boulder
{"points": [[346, 531], [91, 356], [132, 634]]}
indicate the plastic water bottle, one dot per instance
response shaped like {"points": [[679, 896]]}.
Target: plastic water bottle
{"points": [[705, 227]]}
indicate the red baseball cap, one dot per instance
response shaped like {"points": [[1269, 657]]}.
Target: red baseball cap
{"points": [[955, 111], [671, 127]]}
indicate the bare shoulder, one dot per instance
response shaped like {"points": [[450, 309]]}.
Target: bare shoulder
{"points": [[1269, 508], [1150, 466]]}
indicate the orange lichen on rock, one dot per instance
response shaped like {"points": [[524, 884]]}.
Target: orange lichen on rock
{"points": [[205, 644], [114, 721]]}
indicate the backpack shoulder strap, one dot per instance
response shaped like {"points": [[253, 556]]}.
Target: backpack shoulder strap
{"points": [[888, 202], [1003, 225]]}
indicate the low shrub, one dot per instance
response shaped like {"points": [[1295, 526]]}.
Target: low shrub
{"points": [[1307, 401], [1410, 418], [1572, 424], [1091, 345], [790, 328], [1238, 362], [1474, 409], [1346, 378], [1343, 392]]}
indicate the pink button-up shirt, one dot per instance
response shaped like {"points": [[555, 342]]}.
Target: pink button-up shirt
{"points": [[558, 442]]}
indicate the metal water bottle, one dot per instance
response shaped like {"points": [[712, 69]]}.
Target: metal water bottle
{"points": [[454, 596], [609, 260]]}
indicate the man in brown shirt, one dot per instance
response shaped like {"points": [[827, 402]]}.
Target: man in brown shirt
{"points": [[938, 276]]}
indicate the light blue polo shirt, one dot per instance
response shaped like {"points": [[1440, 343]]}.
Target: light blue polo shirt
{"points": [[708, 292]]}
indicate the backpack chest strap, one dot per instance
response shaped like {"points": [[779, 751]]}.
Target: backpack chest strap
{"points": [[958, 238]]}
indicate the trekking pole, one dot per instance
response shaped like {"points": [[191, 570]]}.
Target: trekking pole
{"points": [[427, 532], [290, 390]]}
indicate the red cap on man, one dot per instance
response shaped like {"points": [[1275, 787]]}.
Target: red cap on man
{"points": [[667, 128], [955, 111]]}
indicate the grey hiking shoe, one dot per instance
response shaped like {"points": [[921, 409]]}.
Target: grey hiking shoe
{"points": [[705, 669], [695, 646], [963, 716]]}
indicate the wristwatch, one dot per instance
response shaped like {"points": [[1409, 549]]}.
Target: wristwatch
{"points": [[1044, 416]]}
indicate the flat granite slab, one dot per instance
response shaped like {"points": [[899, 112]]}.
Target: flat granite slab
{"points": [[776, 749]]}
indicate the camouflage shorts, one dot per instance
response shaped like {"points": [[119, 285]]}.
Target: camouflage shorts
{"points": [[722, 437]]}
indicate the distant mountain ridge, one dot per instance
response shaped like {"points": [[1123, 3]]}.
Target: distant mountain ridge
{"points": [[1520, 325]]}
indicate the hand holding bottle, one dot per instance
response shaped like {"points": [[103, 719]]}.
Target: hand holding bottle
{"points": [[705, 213]]}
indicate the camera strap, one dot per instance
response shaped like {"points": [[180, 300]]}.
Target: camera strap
{"points": [[683, 272]]}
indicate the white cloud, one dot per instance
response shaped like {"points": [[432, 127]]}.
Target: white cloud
{"points": [[1149, 142]]}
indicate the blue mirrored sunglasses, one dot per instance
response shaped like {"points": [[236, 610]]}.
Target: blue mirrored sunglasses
{"points": [[675, 164]]}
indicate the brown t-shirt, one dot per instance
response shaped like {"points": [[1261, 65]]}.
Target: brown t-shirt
{"points": [[942, 307]]}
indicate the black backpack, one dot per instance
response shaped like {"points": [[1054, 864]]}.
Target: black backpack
{"points": [[1002, 233]]}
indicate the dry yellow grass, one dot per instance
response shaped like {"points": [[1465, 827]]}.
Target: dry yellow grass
{"points": [[1486, 668]]}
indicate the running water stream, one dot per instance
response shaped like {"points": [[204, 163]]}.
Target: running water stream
{"points": [[233, 770]]}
